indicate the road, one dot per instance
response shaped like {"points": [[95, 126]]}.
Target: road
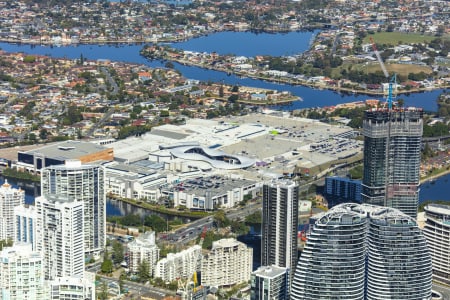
{"points": [[444, 290], [192, 230], [105, 118], [241, 213], [138, 288], [189, 232], [110, 111], [94, 268]]}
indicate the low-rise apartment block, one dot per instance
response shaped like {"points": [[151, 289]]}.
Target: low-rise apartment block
{"points": [[228, 263], [143, 249], [179, 265]]}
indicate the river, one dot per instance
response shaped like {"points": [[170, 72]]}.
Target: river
{"points": [[113, 207], [430, 191], [238, 43], [435, 190]]}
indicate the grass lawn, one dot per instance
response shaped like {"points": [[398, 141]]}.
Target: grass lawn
{"points": [[397, 38], [372, 67], [400, 69]]}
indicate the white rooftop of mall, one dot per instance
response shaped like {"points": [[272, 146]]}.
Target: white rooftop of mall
{"points": [[271, 143]]}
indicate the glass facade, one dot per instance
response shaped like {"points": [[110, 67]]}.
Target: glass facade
{"points": [[399, 263], [332, 264], [83, 183], [392, 144], [280, 222], [363, 252], [437, 233], [270, 283]]}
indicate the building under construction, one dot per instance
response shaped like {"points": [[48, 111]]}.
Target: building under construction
{"points": [[392, 145]]}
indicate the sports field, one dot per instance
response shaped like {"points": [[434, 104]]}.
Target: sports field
{"points": [[372, 67], [399, 69], [397, 38]]}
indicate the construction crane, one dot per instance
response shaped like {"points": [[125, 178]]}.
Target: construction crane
{"points": [[389, 101], [386, 74]]}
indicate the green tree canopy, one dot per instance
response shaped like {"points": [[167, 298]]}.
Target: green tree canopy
{"points": [[157, 223], [143, 273]]}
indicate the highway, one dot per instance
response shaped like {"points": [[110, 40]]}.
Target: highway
{"points": [[138, 288], [192, 230], [189, 232]]}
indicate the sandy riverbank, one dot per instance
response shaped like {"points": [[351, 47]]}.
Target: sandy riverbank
{"points": [[427, 179]]}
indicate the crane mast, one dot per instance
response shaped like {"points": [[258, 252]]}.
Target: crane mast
{"points": [[386, 74]]}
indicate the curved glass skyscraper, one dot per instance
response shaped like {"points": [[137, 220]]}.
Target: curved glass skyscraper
{"points": [[333, 260], [363, 252], [399, 263], [437, 233]]}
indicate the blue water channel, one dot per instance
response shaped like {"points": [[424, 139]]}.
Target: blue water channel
{"points": [[238, 43], [436, 190]]}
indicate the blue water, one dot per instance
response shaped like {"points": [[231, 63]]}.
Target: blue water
{"points": [[250, 44], [239, 43], [429, 191], [435, 190], [33, 190]]}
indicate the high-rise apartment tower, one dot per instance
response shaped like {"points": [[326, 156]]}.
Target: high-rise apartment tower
{"points": [[25, 224], [270, 283], [437, 233], [392, 144], [9, 198], [60, 235], [363, 252], [82, 183], [279, 224]]}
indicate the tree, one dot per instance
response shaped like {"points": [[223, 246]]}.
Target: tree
{"points": [[137, 109], [5, 243], [117, 252], [32, 136], [254, 218], [107, 266], [143, 273], [164, 113], [239, 228], [121, 277], [157, 223], [427, 152], [73, 115], [221, 219], [43, 134], [233, 98], [29, 59], [131, 220], [210, 237], [103, 295]]}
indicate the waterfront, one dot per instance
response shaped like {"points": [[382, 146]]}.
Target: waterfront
{"points": [[293, 42], [435, 190]]}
